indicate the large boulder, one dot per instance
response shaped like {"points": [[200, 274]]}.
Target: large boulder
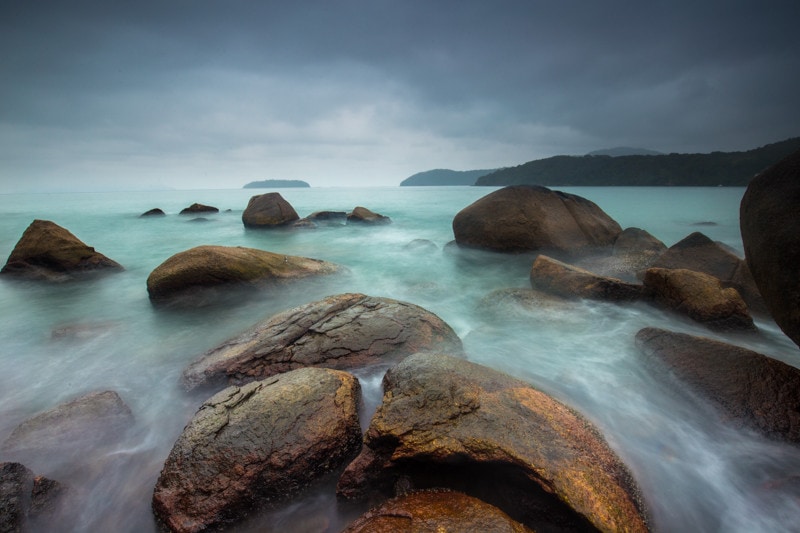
{"points": [[748, 388], [553, 276], [699, 296], [342, 331], [24, 498], [699, 253], [770, 227], [268, 211], [526, 218], [435, 512], [252, 446], [205, 267], [446, 422], [362, 215], [49, 252]]}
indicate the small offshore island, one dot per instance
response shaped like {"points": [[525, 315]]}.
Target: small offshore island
{"points": [[277, 184]]}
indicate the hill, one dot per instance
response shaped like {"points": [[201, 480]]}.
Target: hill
{"points": [[444, 176], [717, 168], [275, 184], [625, 150]]}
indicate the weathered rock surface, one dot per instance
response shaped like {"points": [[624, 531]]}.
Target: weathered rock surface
{"points": [[436, 512], [770, 226], [268, 211], [699, 253], [252, 446], [47, 251], [750, 389], [446, 422], [213, 266], [88, 421], [24, 497], [553, 276], [700, 296], [342, 331], [328, 217], [199, 208], [526, 218], [636, 241], [155, 212], [362, 215]]}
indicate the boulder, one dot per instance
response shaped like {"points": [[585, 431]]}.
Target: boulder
{"points": [[699, 253], [213, 266], [700, 296], [362, 215], [253, 446], [268, 211], [342, 331], [637, 242], [553, 276], [525, 218], [770, 229], [89, 421], [199, 208], [47, 251], [446, 422], [155, 212], [434, 512], [25, 497], [328, 217], [748, 388]]}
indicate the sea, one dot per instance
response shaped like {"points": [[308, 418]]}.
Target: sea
{"points": [[697, 471]]}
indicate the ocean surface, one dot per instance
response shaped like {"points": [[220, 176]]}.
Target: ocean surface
{"points": [[697, 472]]}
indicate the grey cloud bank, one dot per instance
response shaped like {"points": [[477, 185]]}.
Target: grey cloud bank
{"points": [[210, 94]]}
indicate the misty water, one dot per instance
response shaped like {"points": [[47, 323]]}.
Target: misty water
{"points": [[697, 471]]}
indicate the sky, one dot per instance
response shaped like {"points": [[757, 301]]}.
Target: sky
{"points": [[191, 94]]}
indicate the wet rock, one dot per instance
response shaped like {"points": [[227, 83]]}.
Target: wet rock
{"points": [[328, 217], [748, 388], [446, 422], [699, 253], [636, 241], [268, 211], [214, 266], [304, 223], [89, 421], [525, 218], [24, 498], [198, 208], [46, 251], [770, 229], [343, 331], [434, 512], [155, 212], [362, 215], [421, 245], [553, 276], [699, 296], [250, 447]]}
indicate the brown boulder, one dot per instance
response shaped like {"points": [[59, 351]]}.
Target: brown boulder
{"points": [[749, 388], [770, 228], [252, 446], [213, 266], [446, 422], [435, 512], [24, 497], [199, 208], [365, 216], [267, 211], [49, 252], [561, 279], [526, 218], [343, 331], [636, 241], [700, 296]]}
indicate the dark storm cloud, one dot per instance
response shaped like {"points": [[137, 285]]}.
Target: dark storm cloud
{"points": [[375, 90]]}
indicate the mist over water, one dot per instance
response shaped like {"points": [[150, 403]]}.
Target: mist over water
{"points": [[697, 471]]}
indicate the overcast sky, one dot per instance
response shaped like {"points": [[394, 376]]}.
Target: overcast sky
{"points": [[214, 94]]}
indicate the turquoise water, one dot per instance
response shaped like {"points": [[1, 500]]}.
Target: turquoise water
{"points": [[697, 473]]}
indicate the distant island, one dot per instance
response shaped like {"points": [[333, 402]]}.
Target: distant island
{"points": [[275, 184], [444, 176], [717, 168], [625, 150]]}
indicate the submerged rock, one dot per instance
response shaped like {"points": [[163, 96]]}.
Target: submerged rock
{"points": [[362, 215], [561, 279], [343, 331], [699, 296], [268, 211], [46, 251], [446, 422], [253, 446], [748, 388], [24, 498], [213, 266], [434, 512], [198, 208], [526, 218], [328, 217], [155, 212], [770, 228]]}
